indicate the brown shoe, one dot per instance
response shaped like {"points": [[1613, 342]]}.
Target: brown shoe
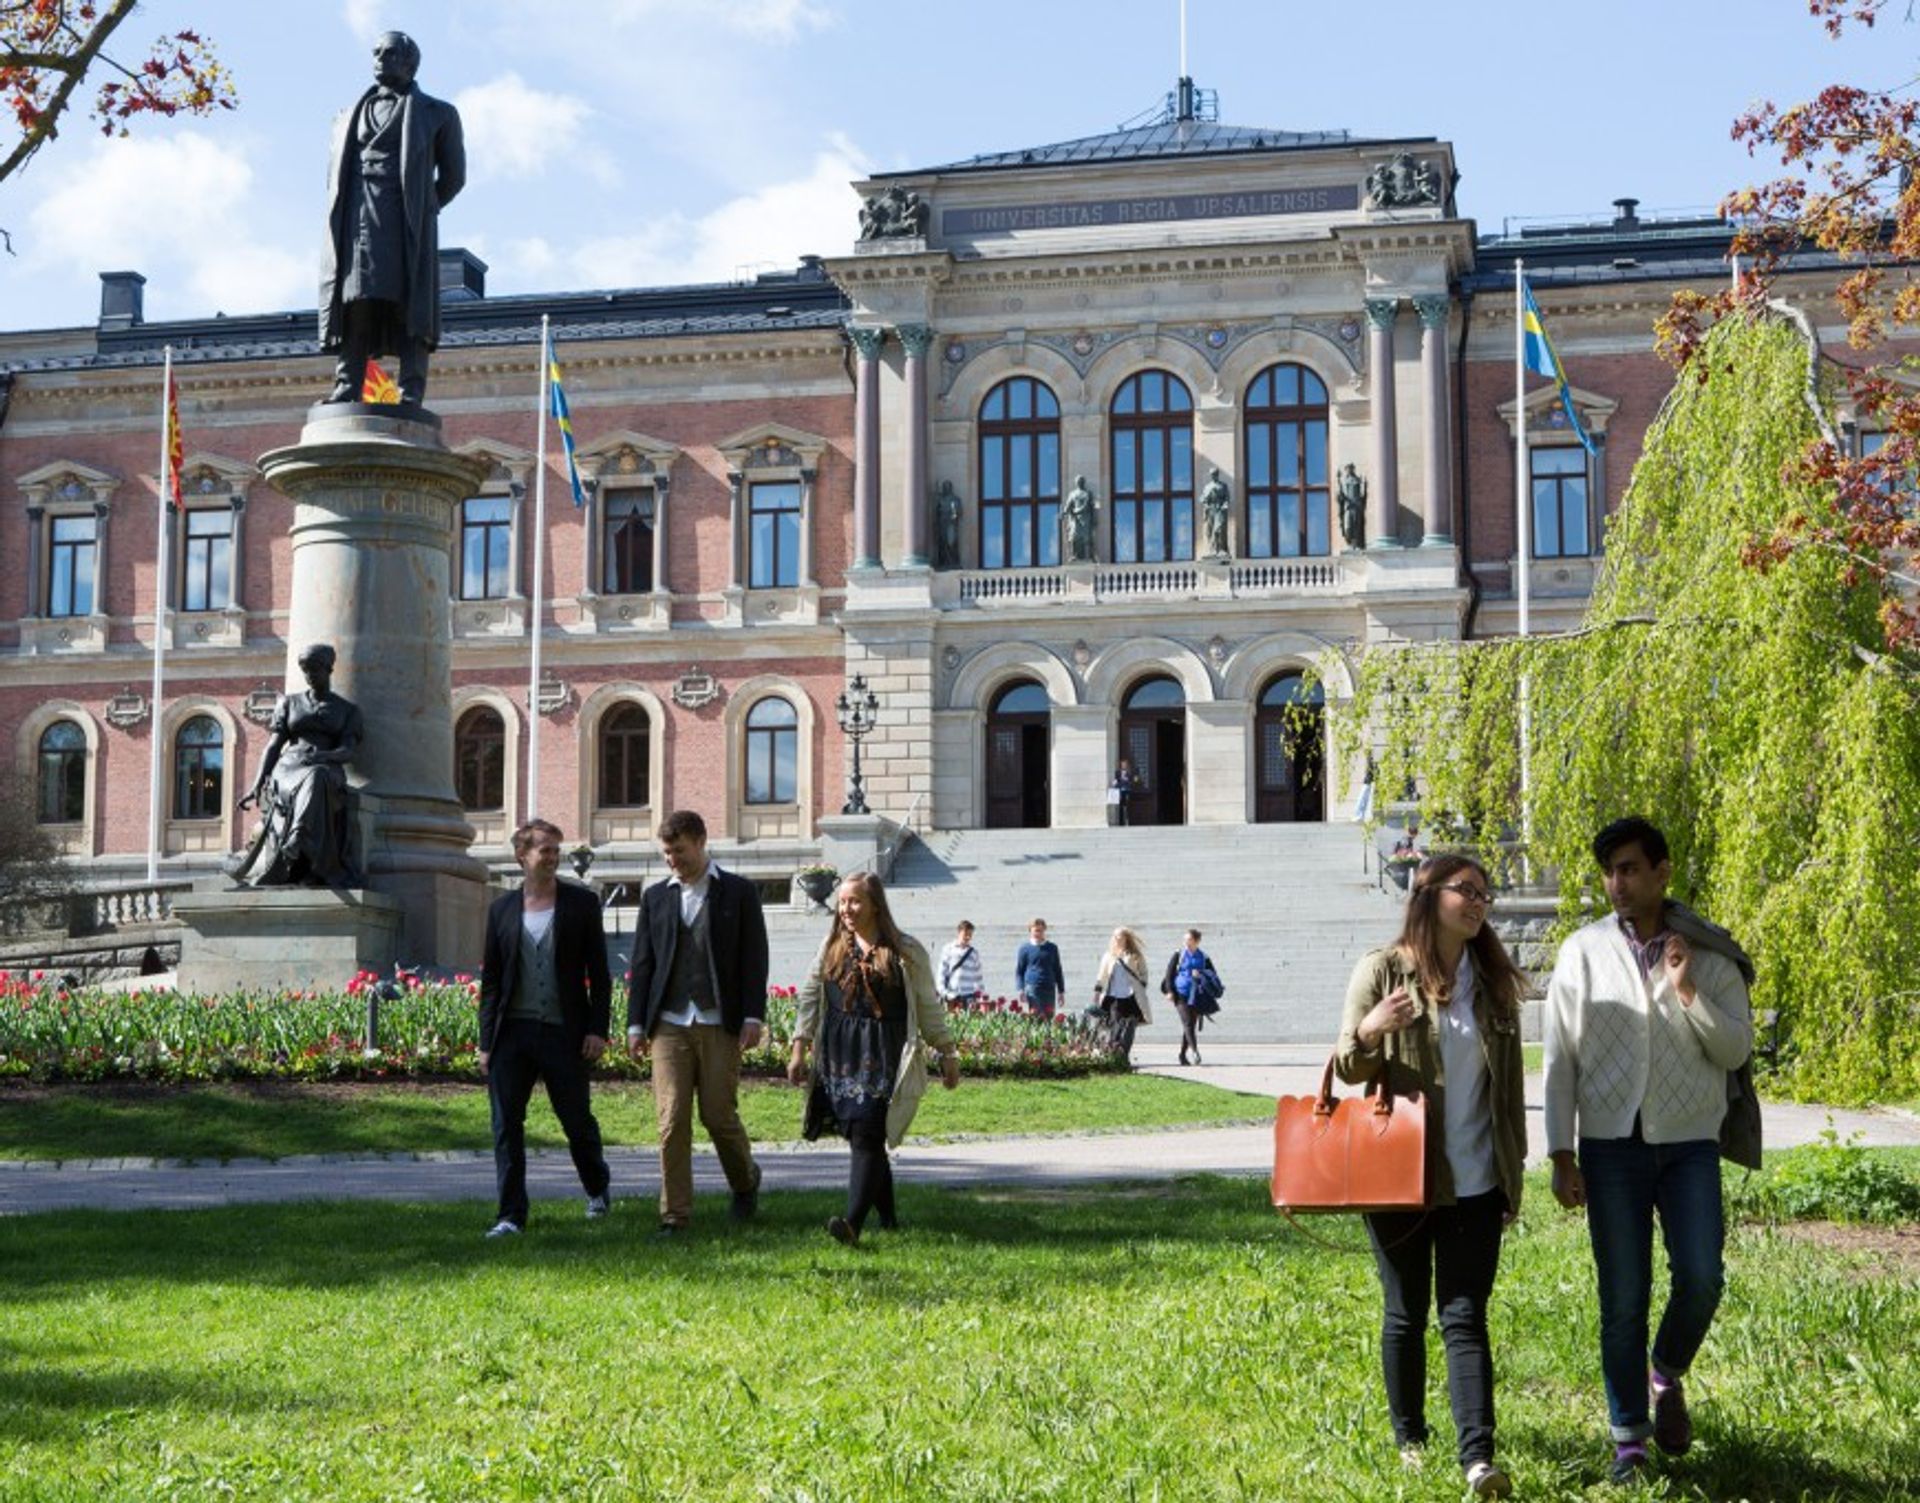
{"points": [[1672, 1425], [746, 1203], [842, 1231]]}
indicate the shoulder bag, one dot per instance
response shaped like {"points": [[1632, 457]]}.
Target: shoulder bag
{"points": [[1364, 1153]]}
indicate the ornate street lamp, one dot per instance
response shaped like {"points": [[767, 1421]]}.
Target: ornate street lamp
{"points": [[857, 708]]}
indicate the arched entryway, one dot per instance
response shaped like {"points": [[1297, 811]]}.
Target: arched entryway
{"points": [[1019, 795], [1289, 752], [1153, 736]]}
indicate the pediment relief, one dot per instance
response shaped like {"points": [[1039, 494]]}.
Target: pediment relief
{"points": [[767, 446], [626, 455], [67, 482], [1595, 410], [510, 463]]}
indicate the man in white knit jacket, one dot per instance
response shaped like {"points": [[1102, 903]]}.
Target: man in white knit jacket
{"points": [[1642, 1027]]}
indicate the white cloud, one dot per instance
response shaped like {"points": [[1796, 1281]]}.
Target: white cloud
{"points": [[771, 20], [366, 19], [516, 131], [179, 209]]}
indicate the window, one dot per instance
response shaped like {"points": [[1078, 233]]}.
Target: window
{"points": [[1152, 424], [624, 758], [198, 757], [773, 534], [63, 774], [70, 566], [206, 582], [773, 752], [1288, 502], [626, 553], [1559, 501], [1019, 476], [480, 761], [486, 533]]}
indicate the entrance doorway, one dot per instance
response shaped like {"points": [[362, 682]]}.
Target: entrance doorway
{"points": [[1019, 793], [1289, 752], [1153, 736]]}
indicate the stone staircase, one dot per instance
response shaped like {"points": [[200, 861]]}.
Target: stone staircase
{"points": [[1286, 910]]}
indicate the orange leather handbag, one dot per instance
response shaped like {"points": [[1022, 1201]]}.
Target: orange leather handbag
{"points": [[1366, 1153]]}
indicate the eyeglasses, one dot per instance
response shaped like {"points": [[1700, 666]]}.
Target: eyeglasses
{"points": [[1468, 891]]}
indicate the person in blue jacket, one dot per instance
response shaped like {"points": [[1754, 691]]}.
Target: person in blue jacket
{"points": [[1037, 971], [1194, 987]]}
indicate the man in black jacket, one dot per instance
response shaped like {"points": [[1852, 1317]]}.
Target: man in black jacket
{"points": [[697, 999], [545, 996]]}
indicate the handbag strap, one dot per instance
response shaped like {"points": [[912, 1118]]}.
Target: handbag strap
{"points": [[1324, 1104], [1348, 1247]]}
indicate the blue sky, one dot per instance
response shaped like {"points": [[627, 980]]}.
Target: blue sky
{"points": [[642, 142]]}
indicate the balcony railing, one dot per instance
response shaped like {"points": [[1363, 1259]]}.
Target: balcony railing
{"points": [[1202, 579]]}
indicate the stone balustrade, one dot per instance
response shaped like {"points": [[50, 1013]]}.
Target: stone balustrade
{"points": [[1201, 579]]}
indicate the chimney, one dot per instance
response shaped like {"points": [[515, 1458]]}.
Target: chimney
{"points": [[463, 276], [1624, 218], [122, 299]]}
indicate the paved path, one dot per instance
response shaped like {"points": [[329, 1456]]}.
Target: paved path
{"points": [[1061, 1160]]}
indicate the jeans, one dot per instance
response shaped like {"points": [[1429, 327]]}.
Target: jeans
{"points": [[1042, 1003], [524, 1053], [1446, 1257], [1627, 1180]]}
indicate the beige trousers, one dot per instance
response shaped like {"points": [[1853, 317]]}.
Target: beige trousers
{"points": [[699, 1063]]}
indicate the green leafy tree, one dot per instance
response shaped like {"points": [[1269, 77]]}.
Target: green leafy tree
{"points": [[29, 858], [1761, 716]]}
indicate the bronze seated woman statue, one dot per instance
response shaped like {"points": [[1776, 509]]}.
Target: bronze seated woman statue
{"points": [[305, 838]]}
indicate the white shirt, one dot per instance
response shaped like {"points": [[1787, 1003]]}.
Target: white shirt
{"points": [[1468, 1125], [537, 921], [693, 897], [1119, 979]]}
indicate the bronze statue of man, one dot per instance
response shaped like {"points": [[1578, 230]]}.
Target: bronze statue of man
{"points": [[398, 159]]}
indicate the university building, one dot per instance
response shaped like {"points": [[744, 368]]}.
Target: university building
{"points": [[1078, 453]]}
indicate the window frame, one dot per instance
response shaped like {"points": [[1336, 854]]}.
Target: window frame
{"points": [[80, 576], [1137, 425], [999, 499], [462, 736], [767, 737], [1266, 500], [608, 730], [189, 548], [71, 775], [785, 522], [494, 530], [205, 757], [1560, 480]]}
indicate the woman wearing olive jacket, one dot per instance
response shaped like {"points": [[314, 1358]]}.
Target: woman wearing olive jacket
{"points": [[1439, 1012], [869, 995]]}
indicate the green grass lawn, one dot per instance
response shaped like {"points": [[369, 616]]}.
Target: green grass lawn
{"points": [[1176, 1342], [273, 1120]]}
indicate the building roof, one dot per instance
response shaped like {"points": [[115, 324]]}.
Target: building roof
{"points": [[1163, 138]]}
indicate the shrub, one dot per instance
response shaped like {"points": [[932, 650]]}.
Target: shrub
{"points": [[1831, 1180]]}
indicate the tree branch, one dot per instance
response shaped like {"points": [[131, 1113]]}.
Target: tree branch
{"points": [[45, 126]]}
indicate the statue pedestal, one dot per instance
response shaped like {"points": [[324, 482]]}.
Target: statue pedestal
{"points": [[376, 499], [270, 938]]}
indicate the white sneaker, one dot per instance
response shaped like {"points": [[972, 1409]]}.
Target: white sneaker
{"points": [[1485, 1479], [504, 1228], [598, 1205]]}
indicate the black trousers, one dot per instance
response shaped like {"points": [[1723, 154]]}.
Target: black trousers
{"points": [[1189, 1029], [1445, 1257], [870, 1175], [1123, 1021], [362, 323], [524, 1053]]}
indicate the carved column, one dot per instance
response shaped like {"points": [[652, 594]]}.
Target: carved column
{"points": [[915, 339], [737, 550], [590, 534], [866, 446], [100, 559], [661, 485], [36, 530], [516, 549], [1438, 531], [1383, 494], [807, 478], [236, 554]]}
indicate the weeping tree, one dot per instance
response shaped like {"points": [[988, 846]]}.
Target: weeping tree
{"points": [[1743, 697]]}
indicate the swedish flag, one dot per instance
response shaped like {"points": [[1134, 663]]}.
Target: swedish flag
{"points": [[1541, 359], [565, 421]]}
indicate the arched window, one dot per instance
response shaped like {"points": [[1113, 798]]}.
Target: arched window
{"points": [[1019, 736], [1152, 426], [1286, 467], [773, 752], [480, 760], [625, 757], [199, 757], [63, 774], [1019, 476], [1288, 736]]}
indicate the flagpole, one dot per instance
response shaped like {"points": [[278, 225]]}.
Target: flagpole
{"points": [[159, 617], [1523, 506], [539, 571]]}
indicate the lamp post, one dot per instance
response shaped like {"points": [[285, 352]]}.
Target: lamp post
{"points": [[581, 858], [857, 709]]}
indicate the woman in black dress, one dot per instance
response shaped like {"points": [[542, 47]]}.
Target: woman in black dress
{"points": [[868, 1008]]}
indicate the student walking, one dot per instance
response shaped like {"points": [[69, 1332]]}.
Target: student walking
{"points": [[962, 978], [1195, 989], [1036, 971], [1120, 991]]}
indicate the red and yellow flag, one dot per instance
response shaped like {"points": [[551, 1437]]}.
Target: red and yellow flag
{"points": [[171, 480], [379, 386]]}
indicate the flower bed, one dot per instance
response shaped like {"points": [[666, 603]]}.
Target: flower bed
{"points": [[426, 1029]]}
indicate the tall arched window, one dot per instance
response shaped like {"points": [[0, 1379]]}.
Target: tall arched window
{"points": [[480, 760], [1286, 468], [63, 774], [199, 758], [1019, 476], [773, 753], [1152, 425], [625, 757]]}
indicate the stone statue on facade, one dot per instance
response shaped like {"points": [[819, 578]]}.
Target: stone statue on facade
{"points": [[1216, 502], [398, 159], [305, 837], [894, 213], [1353, 507], [946, 529], [1076, 522], [1403, 183]]}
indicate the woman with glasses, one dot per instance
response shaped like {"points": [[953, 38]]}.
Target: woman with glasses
{"points": [[1438, 1012]]}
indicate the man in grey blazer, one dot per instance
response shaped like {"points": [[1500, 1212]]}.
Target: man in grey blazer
{"points": [[697, 999]]}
